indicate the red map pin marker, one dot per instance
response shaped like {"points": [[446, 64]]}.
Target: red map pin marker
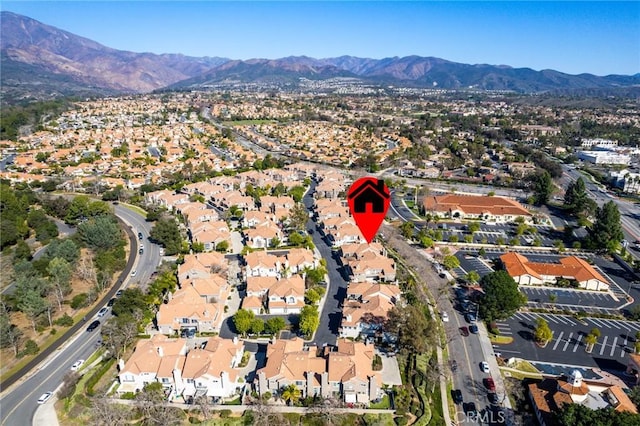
{"points": [[368, 200]]}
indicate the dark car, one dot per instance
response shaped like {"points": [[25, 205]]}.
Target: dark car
{"points": [[119, 293], [471, 318], [493, 398], [139, 235], [490, 384], [454, 365], [93, 325], [473, 328], [111, 302], [470, 409], [141, 250], [457, 396]]}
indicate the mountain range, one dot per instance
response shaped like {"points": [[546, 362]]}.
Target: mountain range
{"points": [[40, 61]]}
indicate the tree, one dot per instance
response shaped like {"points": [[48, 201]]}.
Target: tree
{"points": [[577, 200], [105, 413], [222, 246], [167, 233], [450, 262], [257, 326], [153, 408], [311, 297], [309, 319], [291, 394], [101, 233], [543, 333], [119, 332], [542, 187], [501, 297], [414, 330], [10, 334], [298, 217], [132, 302], [472, 277], [275, 325], [275, 242], [242, 320], [596, 331], [59, 272], [33, 305], [407, 229], [606, 232], [474, 227]]}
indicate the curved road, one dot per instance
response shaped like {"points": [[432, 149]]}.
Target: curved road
{"points": [[18, 401]]}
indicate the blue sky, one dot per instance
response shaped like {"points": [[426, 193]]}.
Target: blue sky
{"points": [[574, 37]]}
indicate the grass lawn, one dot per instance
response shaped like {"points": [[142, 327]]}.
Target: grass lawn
{"points": [[236, 401], [383, 404], [500, 340], [135, 209], [526, 367]]}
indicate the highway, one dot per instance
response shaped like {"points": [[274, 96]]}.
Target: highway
{"points": [[18, 401]]}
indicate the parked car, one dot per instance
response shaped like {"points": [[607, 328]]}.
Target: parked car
{"points": [[473, 328], [45, 397], [134, 273], [484, 366], [119, 293], [490, 384], [457, 396], [493, 398], [93, 325], [76, 365], [470, 409], [454, 365], [464, 331], [445, 317], [112, 301], [102, 312], [471, 318]]}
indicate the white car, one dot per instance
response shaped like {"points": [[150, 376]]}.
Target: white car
{"points": [[133, 273], [102, 312], [45, 397], [445, 317], [484, 366], [76, 365]]}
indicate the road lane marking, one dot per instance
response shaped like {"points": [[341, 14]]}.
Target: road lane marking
{"points": [[604, 344], [613, 346], [558, 341], [568, 340], [577, 343]]}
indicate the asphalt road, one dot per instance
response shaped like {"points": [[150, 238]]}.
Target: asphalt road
{"points": [[18, 402]]}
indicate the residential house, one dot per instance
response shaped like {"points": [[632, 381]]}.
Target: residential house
{"points": [[188, 310], [202, 265], [286, 296], [262, 264], [299, 259], [212, 371], [158, 359], [366, 308]]}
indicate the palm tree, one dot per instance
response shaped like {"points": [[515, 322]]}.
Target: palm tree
{"points": [[291, 394]]}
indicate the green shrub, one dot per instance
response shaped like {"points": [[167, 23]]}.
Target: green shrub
{"points": [[93, 380], [53, 331], [64, 321], [128, 395], [194, 420], [79, 300], [225, 413], [401, 421], [30, 348]]}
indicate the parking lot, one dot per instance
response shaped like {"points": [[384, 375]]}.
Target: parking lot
{"points": [[576, 298], [567, 346]]}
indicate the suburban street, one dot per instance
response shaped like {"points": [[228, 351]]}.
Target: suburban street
{"points": [[19, 400]]}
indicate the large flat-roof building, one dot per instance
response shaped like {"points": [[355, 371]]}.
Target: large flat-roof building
{"points": [[485, 208]]}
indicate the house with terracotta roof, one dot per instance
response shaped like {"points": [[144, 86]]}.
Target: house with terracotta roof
{"points": [[471, 207], [366, 308], [158, 359], [286, 296], [345, 370], [202, 265], [262, 235], [526, 272], [210, 234], [262, 264], [371, 267], [187, 310], [344, 234], [298, 259], [211, 371], [551, 395]]}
